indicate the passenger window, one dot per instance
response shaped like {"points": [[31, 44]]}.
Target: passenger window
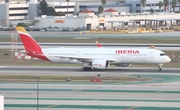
{"points": [[162, 54]]}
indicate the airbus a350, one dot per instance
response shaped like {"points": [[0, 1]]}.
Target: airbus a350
{"points": [[93, 58]]}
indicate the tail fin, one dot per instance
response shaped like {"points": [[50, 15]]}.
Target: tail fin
{"points": [[98, 44], [29, 43]]}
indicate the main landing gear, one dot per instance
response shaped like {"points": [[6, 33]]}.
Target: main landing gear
{"points": [[160, 67], [86, 68]]}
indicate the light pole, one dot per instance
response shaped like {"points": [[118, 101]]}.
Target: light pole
{"points": [[37, 78], [0, 20]]}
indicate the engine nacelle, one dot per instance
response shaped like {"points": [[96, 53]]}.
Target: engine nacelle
{"points": [[100, 64], [123, 64]]}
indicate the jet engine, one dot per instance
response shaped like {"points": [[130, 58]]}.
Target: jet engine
{"points": [[100, 64], [122, 64]]}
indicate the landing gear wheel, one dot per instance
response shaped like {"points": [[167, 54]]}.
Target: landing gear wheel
{"points": [[89, 68], [159, 69], [83, 68], [86, 69]]}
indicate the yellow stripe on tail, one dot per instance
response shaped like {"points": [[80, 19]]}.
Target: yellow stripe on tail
{"points": [[21, 29]]}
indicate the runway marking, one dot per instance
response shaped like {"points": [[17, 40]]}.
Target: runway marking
{"points": [[160, 91], [97, 100], [10, 98], [133, 107], [3, 66], [51, 106], [76, 90]]}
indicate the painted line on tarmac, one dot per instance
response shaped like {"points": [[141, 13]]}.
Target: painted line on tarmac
{"points": [[89, 107], [4, 66], [160, 91], [132, 108], [157, 85], [72, 90], [51, 106], [77, 90], [92, 99]]}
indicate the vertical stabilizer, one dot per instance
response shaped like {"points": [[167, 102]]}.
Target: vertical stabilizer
{"points": [[32, 47], [98, 44], [29, 43]]}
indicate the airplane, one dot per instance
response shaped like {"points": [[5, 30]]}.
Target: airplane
{"points": [[93, 58], [99, 45]]}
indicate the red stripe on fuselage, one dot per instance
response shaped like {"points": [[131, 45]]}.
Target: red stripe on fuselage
{"points": [[43, 57]]}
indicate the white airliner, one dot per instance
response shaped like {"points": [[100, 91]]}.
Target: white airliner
{"points": [[99, 45], [93, 58]]}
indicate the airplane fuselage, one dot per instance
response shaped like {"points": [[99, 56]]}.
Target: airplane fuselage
{"points": [[122, 55]]}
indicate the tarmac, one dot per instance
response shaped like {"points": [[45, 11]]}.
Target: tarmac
{"points": [[87, 35], [161, 93]]}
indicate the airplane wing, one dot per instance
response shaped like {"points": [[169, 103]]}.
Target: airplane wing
{"points": [[80, 58], [112, 60], [77, 58], [61, 56], [83, 59]]}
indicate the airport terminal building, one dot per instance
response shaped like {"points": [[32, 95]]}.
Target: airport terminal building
{"points": [[86, 21], [17, 10]]}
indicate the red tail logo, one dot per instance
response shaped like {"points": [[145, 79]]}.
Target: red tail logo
{"points": [[98, 44], [31, 46], [28, 42]]}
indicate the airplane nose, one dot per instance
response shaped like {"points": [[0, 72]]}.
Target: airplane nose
{"points": [[168, 59]]}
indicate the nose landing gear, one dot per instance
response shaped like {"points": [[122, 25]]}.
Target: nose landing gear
{"points": [[160, 67]]}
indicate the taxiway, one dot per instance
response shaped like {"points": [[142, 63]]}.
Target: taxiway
{"points": [[162, 93]]}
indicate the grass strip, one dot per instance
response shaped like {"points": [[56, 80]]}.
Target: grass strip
{"points": [[157, 40], [26, 78]]}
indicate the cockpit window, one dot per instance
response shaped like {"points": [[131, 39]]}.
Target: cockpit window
{"points": [[162, 54]]}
